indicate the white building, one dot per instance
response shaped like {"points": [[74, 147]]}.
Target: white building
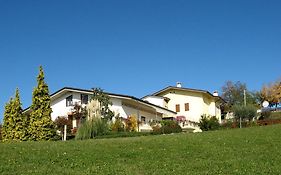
{"points": [[189, 104], [63, 101], [182, 104]]}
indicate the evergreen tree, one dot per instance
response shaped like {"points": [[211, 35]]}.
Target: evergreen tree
{"points": [[41, 126], [15, 123], [0, 131], [21, 121], [8, 122]]}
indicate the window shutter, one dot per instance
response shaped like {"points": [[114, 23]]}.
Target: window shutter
{"points": [[177, 108], [186, 105]]}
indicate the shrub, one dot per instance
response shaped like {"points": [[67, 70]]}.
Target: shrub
{"points": [[170, 126], [61, 121], [156, 129], [117, 125], [251, 124], [153, 123], [208, 123], [268, 122], [73, 131], [265, 115], [228, 124], [92, 128], [275, 115], [131, 123]]}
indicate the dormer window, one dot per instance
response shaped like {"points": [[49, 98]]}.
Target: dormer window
{"points": [[69, 100]]}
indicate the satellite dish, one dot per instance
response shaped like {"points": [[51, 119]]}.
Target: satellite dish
{"points": [[265, 104]]}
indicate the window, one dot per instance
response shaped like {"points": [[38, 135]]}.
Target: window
{"points": [[84, 99], [177, 108], [69, 101], [186, 106], [142, 119]]}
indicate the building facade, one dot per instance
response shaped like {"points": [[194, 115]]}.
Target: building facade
{"points": [[189, 104], [64, 100], [182, 104]]}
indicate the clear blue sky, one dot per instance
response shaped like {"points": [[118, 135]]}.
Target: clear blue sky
{"points": [[137, 47]]}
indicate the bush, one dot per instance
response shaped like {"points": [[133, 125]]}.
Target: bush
{"points": [[170, 126], [117, 125], [229, 124], [156, 129], [275, 115], [265, 115], [92, 128], [131, 123], [61, 121], [208, 123], [268, 122], [167, 127]]}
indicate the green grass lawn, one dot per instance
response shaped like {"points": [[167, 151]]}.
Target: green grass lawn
{"points": [[254, 150]]}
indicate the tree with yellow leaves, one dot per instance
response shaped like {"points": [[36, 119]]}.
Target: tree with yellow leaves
{"points": [[272, 93], [131, 123]]}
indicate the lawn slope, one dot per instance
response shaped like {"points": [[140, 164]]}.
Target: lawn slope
{"points": [[254, 150]]}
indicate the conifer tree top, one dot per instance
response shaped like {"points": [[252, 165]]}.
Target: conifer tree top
{"points": [[40, 95], [41, 77], [17, 100]]}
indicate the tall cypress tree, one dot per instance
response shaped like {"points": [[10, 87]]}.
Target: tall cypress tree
{"points": [[8, 122], [15, 123], [21, 121], [41, 126]]}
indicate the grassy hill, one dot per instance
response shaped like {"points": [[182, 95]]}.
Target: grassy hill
{"points": [[239, 151]]}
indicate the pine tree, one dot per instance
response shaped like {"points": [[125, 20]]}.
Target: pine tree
{"points": [[8, 122], [15, 123], [41, 126]]}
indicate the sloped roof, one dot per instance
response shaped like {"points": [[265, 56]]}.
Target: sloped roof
{"points": [[65, 89], [169, 88]]}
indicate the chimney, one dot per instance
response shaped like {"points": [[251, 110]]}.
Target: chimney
{"points": [[215, 93], [179, 84]]}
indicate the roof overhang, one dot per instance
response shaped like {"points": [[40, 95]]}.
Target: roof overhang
{"points": [[170, 88], [111, 95]]}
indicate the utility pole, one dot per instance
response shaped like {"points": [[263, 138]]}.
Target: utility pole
{"points": [[245, 101]]}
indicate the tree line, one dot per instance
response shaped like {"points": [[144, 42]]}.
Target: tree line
{"points": [[244, 102]]}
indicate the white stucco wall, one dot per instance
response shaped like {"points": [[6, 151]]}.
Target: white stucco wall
{"points": [[125, 111], [59, 108], [195, 105], [116, 107], [199, 104], [159, 101]]}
